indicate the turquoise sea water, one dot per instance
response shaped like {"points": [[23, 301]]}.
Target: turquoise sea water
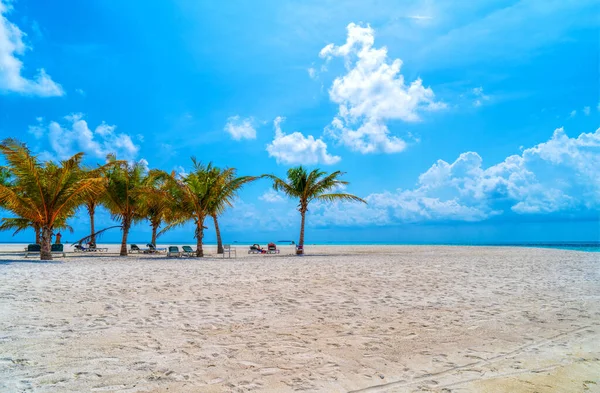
{"points": [[575, 246]]}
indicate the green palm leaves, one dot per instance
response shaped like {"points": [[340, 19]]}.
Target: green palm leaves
{"points": [[45, 195], [309, 186], [206, 191]]}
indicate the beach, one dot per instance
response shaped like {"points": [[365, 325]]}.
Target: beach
{"points": [[339, 319]]}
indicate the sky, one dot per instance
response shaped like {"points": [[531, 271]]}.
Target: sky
{"points": [[458, 122]]}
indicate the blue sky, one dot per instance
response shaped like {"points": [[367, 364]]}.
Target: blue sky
{"points": [[457, 121]]}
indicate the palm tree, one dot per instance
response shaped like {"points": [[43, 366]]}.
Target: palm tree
{"points": [[90, 204], [205, 191], [157, 204], [316, 185], [47, 194], [123, 195], [227, 187]]}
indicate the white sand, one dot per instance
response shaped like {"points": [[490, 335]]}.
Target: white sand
{"points": [[367, 319]]}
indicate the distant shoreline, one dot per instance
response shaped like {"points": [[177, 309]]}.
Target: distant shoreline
{"points": [[579, 246]]}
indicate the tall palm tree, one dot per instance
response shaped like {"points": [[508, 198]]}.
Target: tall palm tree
{"points": [[90, 204], [307, 187], [227, 188], [123, 195], [205, 191], [157, 202], [45, 194]]}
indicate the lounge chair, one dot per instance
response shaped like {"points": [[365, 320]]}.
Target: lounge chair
{"points": [[227, 249], [152, 249], [135, 248], [188, 251], [58, 249], [173, 251], [255, 249], [272, 249], [33, 249]]}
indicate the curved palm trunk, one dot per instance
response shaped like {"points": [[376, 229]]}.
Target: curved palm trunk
{"points": [[38, 234], [301, 241], [155, 226], [91, 211], [219, 240], [199, 236], [46, 254], [126, 225]]}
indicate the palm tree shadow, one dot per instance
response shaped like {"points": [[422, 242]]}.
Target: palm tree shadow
{"points": [[30, 261]]}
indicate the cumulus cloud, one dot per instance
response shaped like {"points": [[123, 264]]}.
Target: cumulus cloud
{"points": [[74, 135], [240, 128], [372, 93], [559, 175], [272, 196], [295, 148], [11, 68]]}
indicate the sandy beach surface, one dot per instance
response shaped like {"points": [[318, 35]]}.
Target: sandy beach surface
{"points": [[341, 319]]}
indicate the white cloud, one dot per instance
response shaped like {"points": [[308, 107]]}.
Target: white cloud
{"points": [[144, 164], [479, 97], [80, 92], [573, 113], [240, 128], [12, 46], [295, 148], [586, 110], [371, 93], [312, 73], [68, 139], [272, 196], [180, 171], [558, 175]]}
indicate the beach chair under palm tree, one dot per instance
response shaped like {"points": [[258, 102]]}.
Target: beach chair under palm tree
{"points": [[134, 248], [188, 251], [33, 249], [58, 249], [173, 251]]}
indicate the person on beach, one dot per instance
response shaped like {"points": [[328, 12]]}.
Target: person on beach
{"points": [[58, 237]]}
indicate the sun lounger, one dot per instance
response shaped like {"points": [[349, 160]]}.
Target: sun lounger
{"points": [[255, 249], [152, 249], [272, 249], [82, 248], [58, 249], [188, 251], [173, 251], [227, 249], [33, 249], [134, 248]]}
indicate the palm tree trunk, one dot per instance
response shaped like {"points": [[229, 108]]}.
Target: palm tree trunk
{"points": [[154, 230], [91, 211], [38, 234], [46, 254], [219, 240], [126, 225], [301, 241], [199, 236]]}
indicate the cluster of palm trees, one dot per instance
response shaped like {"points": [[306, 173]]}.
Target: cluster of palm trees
{"points": [[44, 195]]}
